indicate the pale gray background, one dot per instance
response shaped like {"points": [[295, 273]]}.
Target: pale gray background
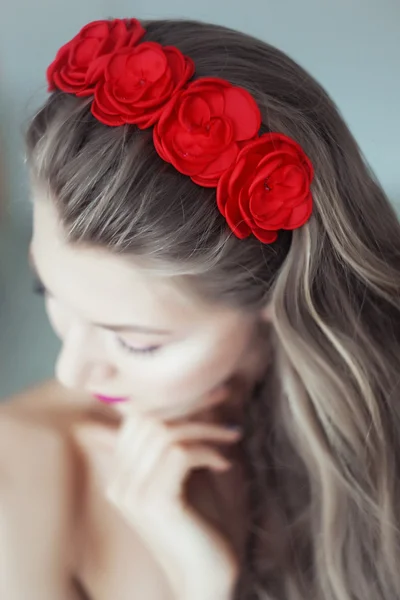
{"points": [[351, 46]]}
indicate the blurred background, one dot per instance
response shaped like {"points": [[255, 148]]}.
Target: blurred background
{"points": [[351, 46]]}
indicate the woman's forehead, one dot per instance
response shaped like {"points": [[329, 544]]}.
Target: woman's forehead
{"points": [[109, 287]]}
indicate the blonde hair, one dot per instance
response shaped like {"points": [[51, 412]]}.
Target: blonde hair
{"points": [[323, 430]]}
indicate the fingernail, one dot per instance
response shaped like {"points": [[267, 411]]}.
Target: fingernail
{"points": [[225, 466], [234, 427]]}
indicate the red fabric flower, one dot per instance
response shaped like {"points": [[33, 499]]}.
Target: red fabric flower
{"points": [[68, 71], [267, 189], [202, 130], [138, 82]]}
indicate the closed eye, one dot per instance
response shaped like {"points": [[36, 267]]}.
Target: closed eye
{"points": [[129, 349]]}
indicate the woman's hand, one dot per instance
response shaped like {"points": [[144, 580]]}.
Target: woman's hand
{"points": [[151, 465]]}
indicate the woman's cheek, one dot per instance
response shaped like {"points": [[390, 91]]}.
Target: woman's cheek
{"points": [[194, 371], [171, 377], [205, 364]]}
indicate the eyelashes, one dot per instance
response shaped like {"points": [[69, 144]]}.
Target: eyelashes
{"points": [[38, 288], [132, 350]]}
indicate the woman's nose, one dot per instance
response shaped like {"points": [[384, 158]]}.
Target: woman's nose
{"points": [[80, 364]]}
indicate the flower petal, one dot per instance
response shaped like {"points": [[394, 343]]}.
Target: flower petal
{"points": [[299, 215], [264, 235], [96, 39], [242, 109], [235, 220]]}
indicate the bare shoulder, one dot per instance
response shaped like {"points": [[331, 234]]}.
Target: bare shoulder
{"points": [[37, 487], [34, 436]]}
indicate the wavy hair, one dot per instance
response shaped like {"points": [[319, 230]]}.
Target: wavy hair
{"points": [[323, 431]]}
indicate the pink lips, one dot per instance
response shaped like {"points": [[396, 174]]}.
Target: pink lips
{"points": [[109, 399]]}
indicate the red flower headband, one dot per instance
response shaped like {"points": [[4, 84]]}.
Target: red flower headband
{"points": [[206, 128]]}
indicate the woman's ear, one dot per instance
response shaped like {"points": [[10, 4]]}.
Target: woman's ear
{"points": [[259, 354], [266, 314]]}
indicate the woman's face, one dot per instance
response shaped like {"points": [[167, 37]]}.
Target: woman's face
{"points": [[132, 334]]}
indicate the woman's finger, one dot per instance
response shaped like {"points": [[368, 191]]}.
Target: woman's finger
{"points": [[175, 468], [133, 435], [212, 400], [203, 431], [204, 457], [136, 463]]}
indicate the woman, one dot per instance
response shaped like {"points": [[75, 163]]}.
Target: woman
{"points": [[224, 273]]}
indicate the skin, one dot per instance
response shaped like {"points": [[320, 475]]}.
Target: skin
{"points": [[163, 464]]}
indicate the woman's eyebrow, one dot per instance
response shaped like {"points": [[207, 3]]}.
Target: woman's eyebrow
{"points": [[133, 329], [129, 328]]}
